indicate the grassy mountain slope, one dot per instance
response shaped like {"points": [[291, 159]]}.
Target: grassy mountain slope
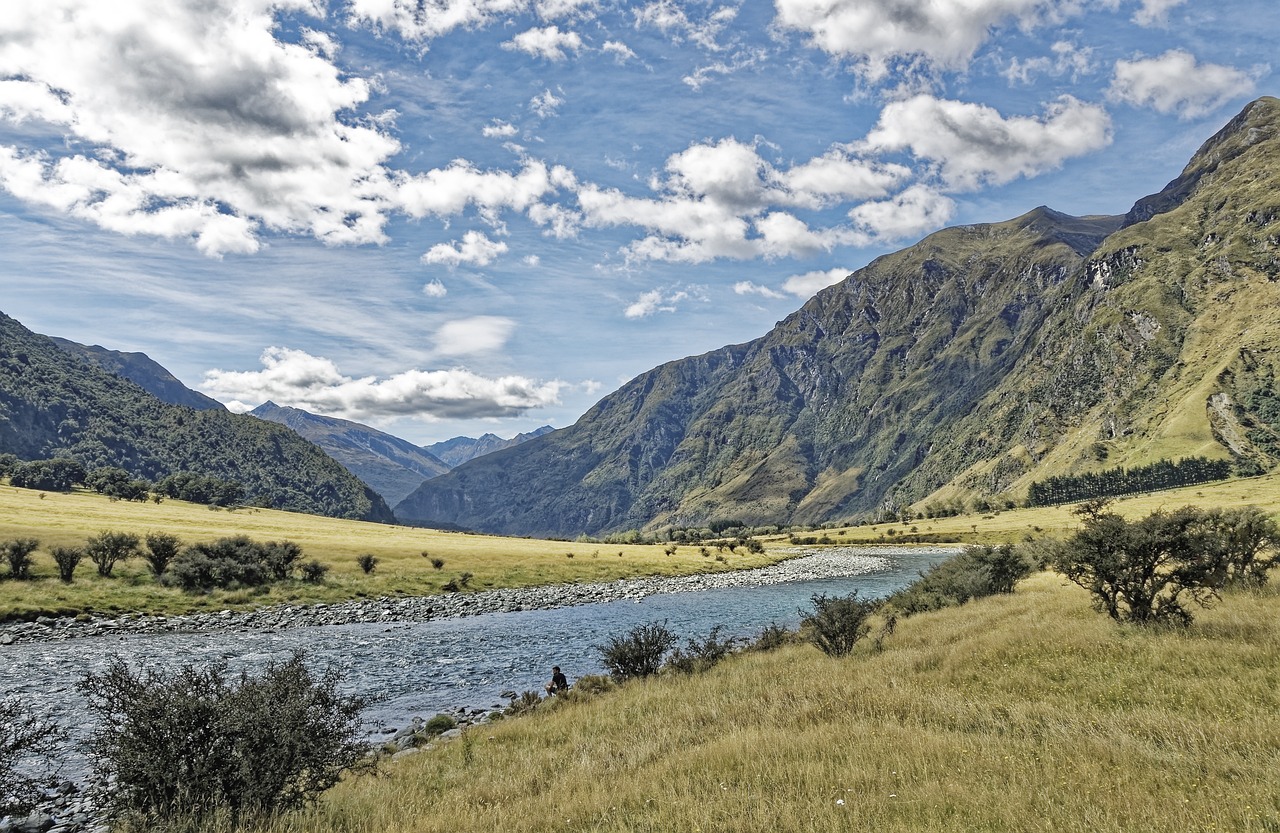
{"points": [[969, 364], [391, 466], [55, 404], [143, 371]]}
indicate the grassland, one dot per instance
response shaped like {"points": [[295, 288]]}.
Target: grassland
{"points": [[404, 556], [404, 553], [1030, 712]]}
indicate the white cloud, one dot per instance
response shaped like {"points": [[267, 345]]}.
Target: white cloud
{"points": [[673, 20], [531, 260], [916, 211], [1155, 12], [663, 299], [475, 249], [619, 50], [973, 145], [435, 289], [803, 286], [945, 35], [548, 42], [427, 19], [721, 199], [552, 9], [298, 379], [469, 336], [498, 129], [446, 191], [749, 288], [1069, 59], [1175, 83], [545, 104]]}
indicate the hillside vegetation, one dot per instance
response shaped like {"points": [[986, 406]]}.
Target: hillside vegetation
{"points": [[1028, 712], [55, 404], [961, 369]]}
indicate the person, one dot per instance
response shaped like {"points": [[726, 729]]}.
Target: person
{"points": [[558, 682]]}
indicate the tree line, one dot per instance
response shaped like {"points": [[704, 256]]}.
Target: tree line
{"points": [[1162, 474]]}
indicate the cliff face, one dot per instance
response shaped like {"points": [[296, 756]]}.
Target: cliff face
{"points": [[967, 365]]}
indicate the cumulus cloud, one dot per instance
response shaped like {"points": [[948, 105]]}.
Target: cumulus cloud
{"points": [[470, 336], [805, 285], [1069, 59], [428, 19], [475, 249], [1176, 83], [548, 42], [663, 299], [723, 199], [298, 379], [749, 288], [917, 210], [435, 289], [973, 145], [945, 35], [498, 129], [1155, 12], [446, 191], [545, 104]]}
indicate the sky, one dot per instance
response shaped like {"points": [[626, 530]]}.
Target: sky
{"points": [[451, 217]]}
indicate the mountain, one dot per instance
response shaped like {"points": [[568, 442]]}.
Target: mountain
{"points": [[140, 369], [459, 450], [392, 466], [965, 367], [53, 403]]}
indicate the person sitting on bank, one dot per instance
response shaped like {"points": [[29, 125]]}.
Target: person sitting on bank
{"points": [[558, 682]]}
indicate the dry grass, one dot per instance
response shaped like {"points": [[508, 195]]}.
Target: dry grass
{"points": [[68, 519], [1023, 713]]}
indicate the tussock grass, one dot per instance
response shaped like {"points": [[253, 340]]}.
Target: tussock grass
{"points": [[68, 519], [1022, 713]]}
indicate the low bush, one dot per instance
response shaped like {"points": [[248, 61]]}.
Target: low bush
{"points": [[772, 636], [231, 563], [67, 559], [107, 548], [837, 622], [523, 703], [439, 724], [367, 562], [975, 573], [162, 548], [17, 553], [638, 653], [26, 750], [197, 745], [313, 572], [698, 656]]}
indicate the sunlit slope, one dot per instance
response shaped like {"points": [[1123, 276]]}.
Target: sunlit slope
{"points": [[1018, 714], [962, 368]]}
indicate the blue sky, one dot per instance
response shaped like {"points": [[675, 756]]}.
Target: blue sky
{"points": [[456, 216]]}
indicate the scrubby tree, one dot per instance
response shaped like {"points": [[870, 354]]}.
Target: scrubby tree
{"points": [[367, 561], [26, 748], [1145, 571], [836, 623], [701, 655], [67, 559], [638, 653], [107, 548], [1004, 566], [199, 744], [1247, 542], [57, 475], [17, 553], [162, 548]]}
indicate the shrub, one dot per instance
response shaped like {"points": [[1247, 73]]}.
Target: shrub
{"points": [[523, 703], [457, 585], [67, 558], [367, 562], [837, 622], [24, 742], [1245, 542], [772, 636], [437, 563], [439, 724], [162, 548], [106, 548], [313, 572], [1144, 571], [701, 656], [232, 562], [593, 684], [48, 475], [18, 553], [198, 744], [639, 653], [977, 572]]}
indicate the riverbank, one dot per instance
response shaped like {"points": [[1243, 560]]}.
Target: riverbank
{"points": [[804, 565]]}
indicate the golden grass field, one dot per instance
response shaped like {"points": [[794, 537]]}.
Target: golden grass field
{"points": [[1024, 713], [68, 519]]}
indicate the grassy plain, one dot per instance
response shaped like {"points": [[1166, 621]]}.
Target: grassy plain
{"points": [[1023, 714], [404, 556]]}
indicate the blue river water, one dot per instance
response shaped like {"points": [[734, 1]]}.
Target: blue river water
{"points": [[421, 669]]}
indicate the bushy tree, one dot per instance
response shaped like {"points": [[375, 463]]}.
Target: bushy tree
{"points": [[115, 482], [57, 475], [25, 751], [67, 559], [200, 744], [836, 623], [701, 655], [107, 548], [162, 548], [17, 553], [1145, 571], [638, 653], [1245, 541]]}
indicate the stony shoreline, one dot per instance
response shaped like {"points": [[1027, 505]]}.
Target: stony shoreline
{"points": [[808, 564]]}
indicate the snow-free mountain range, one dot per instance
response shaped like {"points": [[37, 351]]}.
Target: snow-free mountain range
{"points": [[961, 369]]}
